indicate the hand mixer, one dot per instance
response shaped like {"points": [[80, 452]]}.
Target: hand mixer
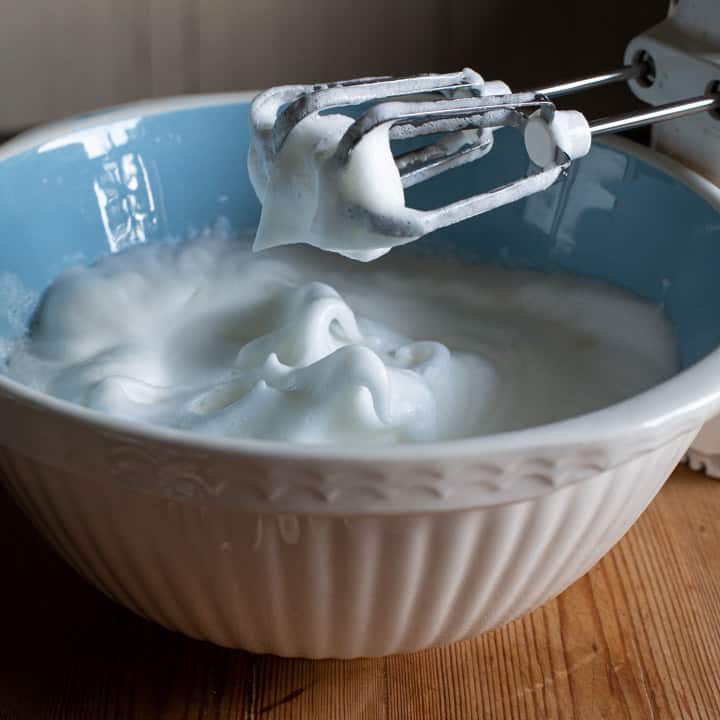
{"points": [[464, 110], [674, 66]]}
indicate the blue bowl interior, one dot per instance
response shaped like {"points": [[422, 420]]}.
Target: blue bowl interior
{"points": [[123, 182]]}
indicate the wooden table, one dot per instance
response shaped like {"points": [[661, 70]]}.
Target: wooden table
{"points": [[638, 637]]}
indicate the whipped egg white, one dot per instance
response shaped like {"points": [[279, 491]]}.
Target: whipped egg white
{"points": [[307, 347]]}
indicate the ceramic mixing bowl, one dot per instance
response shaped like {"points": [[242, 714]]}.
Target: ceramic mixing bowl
{"points": [[322, 552]]}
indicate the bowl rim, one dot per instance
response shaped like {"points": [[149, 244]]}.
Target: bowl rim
{"points": [[694, 390]]}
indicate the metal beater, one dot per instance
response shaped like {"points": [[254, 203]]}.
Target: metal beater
{"points": [[464, 110]]}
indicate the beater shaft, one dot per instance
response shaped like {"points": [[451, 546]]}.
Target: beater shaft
{"points": [[623, 74], [630, 120], [660, 113]]}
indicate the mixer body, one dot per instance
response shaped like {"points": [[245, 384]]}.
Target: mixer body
{"points": [[685, 49]]}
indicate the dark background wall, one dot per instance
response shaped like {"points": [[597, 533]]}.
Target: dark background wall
{"points": [[65, 56]]}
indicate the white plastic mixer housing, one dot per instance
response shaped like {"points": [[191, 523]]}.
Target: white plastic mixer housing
{"points": [[685, 50]]}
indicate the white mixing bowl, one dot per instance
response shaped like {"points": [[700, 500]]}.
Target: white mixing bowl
{"points": [[322, 552]]}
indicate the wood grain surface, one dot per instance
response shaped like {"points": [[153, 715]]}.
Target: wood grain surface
{"points": [[638, 637]]}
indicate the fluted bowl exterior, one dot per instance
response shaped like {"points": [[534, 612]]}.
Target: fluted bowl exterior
{"points": [[331, 585]]}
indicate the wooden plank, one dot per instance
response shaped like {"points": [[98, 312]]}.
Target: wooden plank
{"points": [[230, 45], [59, 57], [638, 637]]}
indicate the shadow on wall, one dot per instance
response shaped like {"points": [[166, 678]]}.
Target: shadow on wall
{"points": [[124, 51]]}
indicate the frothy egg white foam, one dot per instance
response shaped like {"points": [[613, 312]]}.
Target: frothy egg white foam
{"points": [[303, 346]]}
